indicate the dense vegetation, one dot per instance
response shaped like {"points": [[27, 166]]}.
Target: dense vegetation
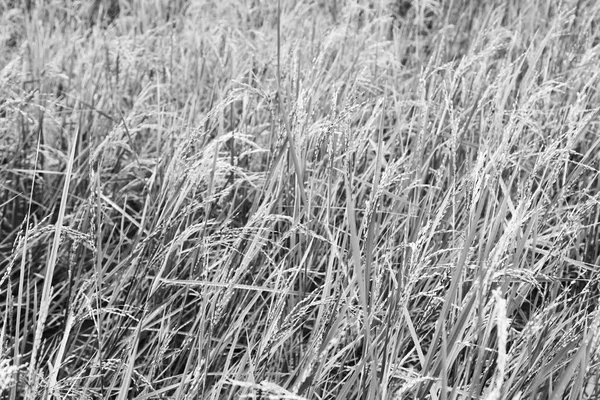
{"points": [[344, 199]]}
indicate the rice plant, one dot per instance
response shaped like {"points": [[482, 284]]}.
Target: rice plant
{"points": [[345, 199]]}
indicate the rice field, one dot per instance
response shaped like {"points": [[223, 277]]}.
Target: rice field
{"points": [[309, 199]]}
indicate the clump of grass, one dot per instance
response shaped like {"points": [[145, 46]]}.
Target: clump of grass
{"points": [[299, 200]]}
